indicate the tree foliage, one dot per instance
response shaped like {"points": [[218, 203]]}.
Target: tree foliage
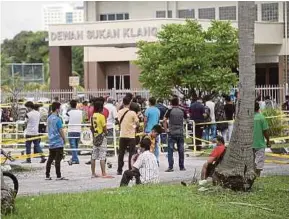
{"points": [[32, 47], [186, 56], [27, 46], [77, 62]]}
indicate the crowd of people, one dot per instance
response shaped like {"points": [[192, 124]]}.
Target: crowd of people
{"points": [[161, 123]]}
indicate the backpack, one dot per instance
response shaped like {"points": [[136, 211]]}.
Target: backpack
{"points": [[220, 116]]}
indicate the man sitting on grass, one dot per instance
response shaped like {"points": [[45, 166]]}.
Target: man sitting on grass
{"points": [[145, 169], [214, 159]]}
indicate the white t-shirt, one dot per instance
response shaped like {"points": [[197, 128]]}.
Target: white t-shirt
{"points": [[75, 116], [211, 106], [147, 165], [33, 120], [111, 115]]}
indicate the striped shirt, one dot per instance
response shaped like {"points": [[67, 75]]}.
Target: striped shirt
{"points": [[147, 165], [22, 111]]}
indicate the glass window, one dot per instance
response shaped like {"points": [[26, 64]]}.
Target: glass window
{"points": [[160, 14], [256, 18], [270, 12], [111, 17], [187, 13], [69, 17], [126, 80], [126, 16], [103, 17], [170, 14], [286, 10], [207, 13], [227, 13], [119, 16], [110, 82], [117, 82]]}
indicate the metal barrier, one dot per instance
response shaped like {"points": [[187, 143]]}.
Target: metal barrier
{"points": [[187, 134]]}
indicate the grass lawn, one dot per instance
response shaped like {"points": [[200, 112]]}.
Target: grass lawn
{"points": [[162, 201]]}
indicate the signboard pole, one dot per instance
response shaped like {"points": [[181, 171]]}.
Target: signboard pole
{"points": [[74, 82]]}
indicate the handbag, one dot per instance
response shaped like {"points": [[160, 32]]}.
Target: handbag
{"points": [[97, 140]]}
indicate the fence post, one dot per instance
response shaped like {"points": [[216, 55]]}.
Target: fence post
{"points": [[113, 94], [194, 136], [114, 141]]}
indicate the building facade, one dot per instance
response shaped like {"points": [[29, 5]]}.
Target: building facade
{"points": [[111, 30], [61, 14]]}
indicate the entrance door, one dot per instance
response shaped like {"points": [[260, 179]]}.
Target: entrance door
{"points": [[119, 82]]}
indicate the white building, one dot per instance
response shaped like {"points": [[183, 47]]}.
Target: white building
{"points": [[61, 14], [111, 29]]}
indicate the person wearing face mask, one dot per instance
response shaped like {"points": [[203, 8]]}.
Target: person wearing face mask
{"points": [[32, 125], [56, 139], [214, 159]]}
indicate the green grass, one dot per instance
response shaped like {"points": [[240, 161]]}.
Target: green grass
{"points": [[162, 201]]}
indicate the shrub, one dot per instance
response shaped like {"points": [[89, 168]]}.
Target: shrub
{"points": [[277, 125]]}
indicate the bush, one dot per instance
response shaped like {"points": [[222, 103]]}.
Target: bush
{"points": [[277, 125]]}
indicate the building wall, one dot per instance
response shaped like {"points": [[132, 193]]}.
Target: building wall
{"points": [[144, 10], [114, 56], [57, 14]]}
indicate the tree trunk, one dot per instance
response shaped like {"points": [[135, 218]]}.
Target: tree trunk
{"points": [[237, 169], [7, 198]]}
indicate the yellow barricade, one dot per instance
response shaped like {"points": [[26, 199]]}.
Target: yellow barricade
{"points": [[22, 140]]}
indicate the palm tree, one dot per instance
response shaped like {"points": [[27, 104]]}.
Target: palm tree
{"points": [[237, 169]]}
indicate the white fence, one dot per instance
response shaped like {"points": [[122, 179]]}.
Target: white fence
{"points": [[276, 92]]}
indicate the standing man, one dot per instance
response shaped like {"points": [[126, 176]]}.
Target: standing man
{"points": [[162, 108], [112, 115], [230, 114], [75, 119], [197, 112], [175, 130], [211, 130], [33, 120], [152, 118], [128, 121], [259, 135], [56, 139], [98, 128], [56, 99]]}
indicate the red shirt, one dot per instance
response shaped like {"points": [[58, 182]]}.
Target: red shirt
{"points": [[105, 112], [218, 151]]}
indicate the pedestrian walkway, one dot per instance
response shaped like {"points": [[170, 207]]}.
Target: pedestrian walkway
{"points": [[33, 183]]}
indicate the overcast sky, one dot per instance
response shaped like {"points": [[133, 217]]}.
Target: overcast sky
{"points": [[17, 16]]}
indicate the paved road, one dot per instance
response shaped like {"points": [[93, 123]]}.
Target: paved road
{"points": [[33, 182]]}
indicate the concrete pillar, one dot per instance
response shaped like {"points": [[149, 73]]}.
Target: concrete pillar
{"points": [[281, 67], [94, 75], [60, 65], [134, 72], [101, 75]]}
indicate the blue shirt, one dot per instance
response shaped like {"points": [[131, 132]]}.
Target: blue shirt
{"points": [[54, 124], [153, 117]]}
